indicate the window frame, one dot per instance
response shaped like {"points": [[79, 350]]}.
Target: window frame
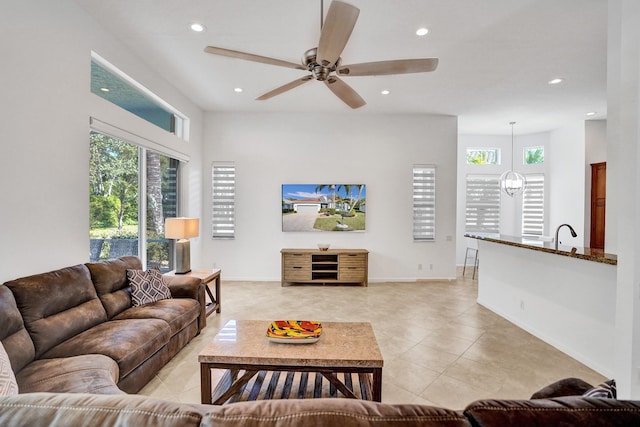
{"points": [[223, 200], [533, 212], [424, 203], [497, 154], [483, 204]]}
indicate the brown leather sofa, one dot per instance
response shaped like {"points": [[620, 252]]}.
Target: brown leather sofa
{"points": [[75, 344], [74, 329], [73, 409]]}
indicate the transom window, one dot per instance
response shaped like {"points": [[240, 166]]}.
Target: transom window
{"points": [[483, 156], [533, 155]]}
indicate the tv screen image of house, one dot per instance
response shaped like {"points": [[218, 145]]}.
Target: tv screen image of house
{"points": [[324, 207]]}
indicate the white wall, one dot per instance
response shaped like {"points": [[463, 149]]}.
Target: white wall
{"points": [[567, 182], [274, 149], [623, 185], [45, 108]]}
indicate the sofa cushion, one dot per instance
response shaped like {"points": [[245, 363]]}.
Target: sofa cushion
{"points": [[605, 390], [129, 342], [147, 286], [69, 409], [177, 312], [8, 383], [57, 305], [13, 335], [90, 373], [330, 412], [111, 284], [562, 411]]}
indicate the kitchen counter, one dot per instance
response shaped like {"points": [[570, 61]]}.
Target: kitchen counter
{"points": [[566, 297], [595, 255]]}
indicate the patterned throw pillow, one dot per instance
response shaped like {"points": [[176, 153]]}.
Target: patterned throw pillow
{"points": [[147, 286], [606, 390], [8, 384]]}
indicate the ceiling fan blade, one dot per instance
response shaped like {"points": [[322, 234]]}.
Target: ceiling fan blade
{"points": [[337, 28], [382, 68], [344, 92], [284, 88], [251, 57]]}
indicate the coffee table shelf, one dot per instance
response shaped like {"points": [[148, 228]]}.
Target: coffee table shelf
{"points": [[238, 385]]}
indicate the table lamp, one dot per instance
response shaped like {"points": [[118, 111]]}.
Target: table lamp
{"points": [[182, 229]]}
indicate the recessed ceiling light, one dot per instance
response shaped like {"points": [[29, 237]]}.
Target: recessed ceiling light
{"points": [[198, 28], [592, 113], [238, 90], [422, 31], [555, 81], [104, 89], [385, 92]]}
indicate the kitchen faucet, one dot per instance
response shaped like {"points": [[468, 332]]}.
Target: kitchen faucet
{"points": [[573, 232]]}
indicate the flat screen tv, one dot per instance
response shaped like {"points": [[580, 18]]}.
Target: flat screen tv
{"points": [[324, 207]]}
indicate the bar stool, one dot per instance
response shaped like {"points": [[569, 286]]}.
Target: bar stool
{"points": [[474, 254]]}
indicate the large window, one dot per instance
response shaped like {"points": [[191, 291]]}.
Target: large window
{"points": [[533, 206], [424, 202], [223, 200], [132, 191], [483, 204]]}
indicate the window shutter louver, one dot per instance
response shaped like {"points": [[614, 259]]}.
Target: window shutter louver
{"points": [[424, 203], [223, 200], [482, 204], [533, 206]]}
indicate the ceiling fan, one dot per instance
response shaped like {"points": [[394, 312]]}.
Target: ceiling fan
{"points": [[324, 62]]}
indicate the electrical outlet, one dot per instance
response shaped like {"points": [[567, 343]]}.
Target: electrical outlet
{"points": [[419, 266], [430, 266], [521, 305]]}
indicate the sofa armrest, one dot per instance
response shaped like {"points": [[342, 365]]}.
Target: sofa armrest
{"points": [[564, 387], [189, 287]]}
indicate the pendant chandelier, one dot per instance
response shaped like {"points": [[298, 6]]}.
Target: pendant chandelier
{"points": [[511, 182]]}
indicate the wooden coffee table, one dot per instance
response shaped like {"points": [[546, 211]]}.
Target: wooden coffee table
{"points": [[346, 361]]}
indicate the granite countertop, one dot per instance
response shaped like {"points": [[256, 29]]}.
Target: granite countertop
{"points": [[595, 255]]}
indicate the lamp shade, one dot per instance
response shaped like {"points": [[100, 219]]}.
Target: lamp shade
{"points": [[181, 228]]}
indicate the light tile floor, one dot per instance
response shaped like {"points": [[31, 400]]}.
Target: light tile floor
{"points": [[439, 346]]}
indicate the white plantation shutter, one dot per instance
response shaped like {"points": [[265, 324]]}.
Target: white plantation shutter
{"points": [[424, 202], [223, 199], [483, 204], [533, 206]]}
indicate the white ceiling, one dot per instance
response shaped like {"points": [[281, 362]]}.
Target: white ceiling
{"points": [[496, 56]]}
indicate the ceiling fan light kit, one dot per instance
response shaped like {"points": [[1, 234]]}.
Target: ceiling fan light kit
{"points": [[324, 62]]}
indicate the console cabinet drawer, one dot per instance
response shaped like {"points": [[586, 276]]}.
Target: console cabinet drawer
{"points": [[351, 274], [352, 260]]}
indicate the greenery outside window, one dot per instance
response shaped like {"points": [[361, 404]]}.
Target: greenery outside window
{"points": [[131, 186], [483, 156], [533, 155]]}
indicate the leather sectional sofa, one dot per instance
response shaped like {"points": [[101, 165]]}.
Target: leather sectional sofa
{"points": [[70, 410], [75, 330], [76, 346]]}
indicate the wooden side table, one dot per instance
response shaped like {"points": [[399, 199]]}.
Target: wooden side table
{"points": [[207, 276]]}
